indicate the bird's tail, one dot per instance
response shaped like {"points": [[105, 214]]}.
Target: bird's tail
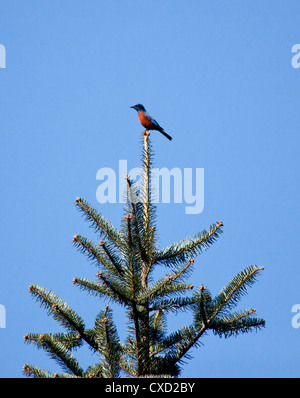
{"points": [[165, 134]]}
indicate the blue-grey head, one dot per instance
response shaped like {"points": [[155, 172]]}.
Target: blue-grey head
{"points": [[139, 108]]}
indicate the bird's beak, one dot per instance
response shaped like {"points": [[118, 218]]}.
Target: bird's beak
{"points": [[133, 107]]}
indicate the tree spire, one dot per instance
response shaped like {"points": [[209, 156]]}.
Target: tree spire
{"points": [[125, 259]]}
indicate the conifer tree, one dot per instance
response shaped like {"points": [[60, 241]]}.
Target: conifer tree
{"points": [[126, 259]]}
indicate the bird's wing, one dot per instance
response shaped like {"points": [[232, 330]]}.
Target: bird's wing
{"points": [[148, 116]]}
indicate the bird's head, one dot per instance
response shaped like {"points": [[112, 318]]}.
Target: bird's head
{"points": [[138, 108]]}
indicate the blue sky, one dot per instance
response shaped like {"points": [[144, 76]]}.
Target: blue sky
{"points": [[217, 75]]}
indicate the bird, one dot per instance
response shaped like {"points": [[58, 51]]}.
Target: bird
{"points": [[148, 121]]}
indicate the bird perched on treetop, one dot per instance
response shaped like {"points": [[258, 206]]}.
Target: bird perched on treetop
{"points": [[148, 121]]}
